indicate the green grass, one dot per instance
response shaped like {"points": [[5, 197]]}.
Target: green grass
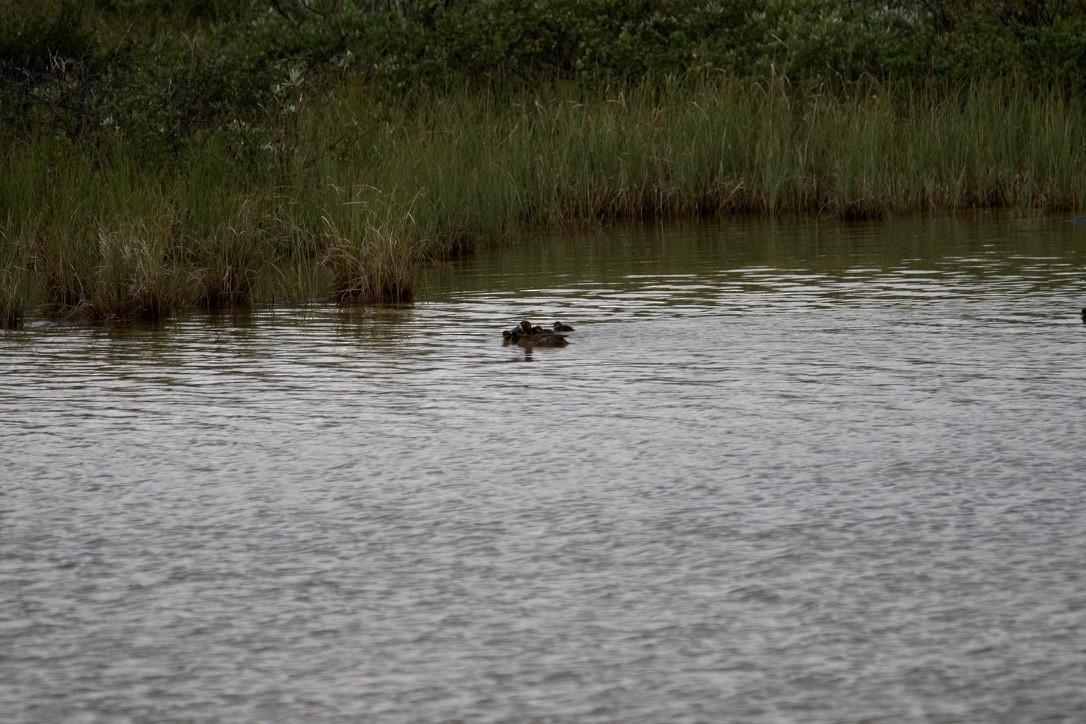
{"points": [[358, 191], [724, 146]]}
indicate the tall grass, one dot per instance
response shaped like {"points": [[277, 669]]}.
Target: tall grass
{"points": [[12, 285], [370, 249], [364, 190], [727, 145]]}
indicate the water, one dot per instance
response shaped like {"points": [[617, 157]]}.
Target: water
{"points": [[782, 472]]}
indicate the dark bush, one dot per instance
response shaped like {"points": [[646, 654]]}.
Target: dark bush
{"points": [[42, 37], [189, 66]]}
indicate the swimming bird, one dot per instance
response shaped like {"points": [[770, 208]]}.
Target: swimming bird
{"points": [[527, 335], [559, 327], [523, 329]]}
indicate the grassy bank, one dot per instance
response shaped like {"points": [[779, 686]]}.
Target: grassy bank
{"points": [[354, 190]]}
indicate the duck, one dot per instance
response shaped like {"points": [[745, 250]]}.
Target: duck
{"points": [[523, 329], [527, 335], [559, 327]]}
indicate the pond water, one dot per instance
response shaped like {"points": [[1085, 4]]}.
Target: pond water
{"points": [[790, 471]]}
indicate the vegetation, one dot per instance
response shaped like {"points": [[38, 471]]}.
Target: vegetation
{"points": [[164, 154]]}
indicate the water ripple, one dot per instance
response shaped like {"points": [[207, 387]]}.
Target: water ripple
{"points": [[760, 480]]}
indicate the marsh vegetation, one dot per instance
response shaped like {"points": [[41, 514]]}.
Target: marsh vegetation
{"points": [[164, 155]]}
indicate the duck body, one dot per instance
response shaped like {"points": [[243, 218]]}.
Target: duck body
{"points": [[559, 327], [544, 339]]}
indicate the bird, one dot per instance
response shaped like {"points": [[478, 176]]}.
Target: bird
{"points": [[559, 327], [526, 335]]}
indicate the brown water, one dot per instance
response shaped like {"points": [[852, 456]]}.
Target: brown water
{"points": [[781, 472]]}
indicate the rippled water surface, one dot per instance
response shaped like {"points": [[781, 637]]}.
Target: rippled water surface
{"points": [[781, 472]]}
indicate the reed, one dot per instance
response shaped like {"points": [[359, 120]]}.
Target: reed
{"points": [[12, 285], [226, 260], [368, 188], [369, 248], [726, 145]]}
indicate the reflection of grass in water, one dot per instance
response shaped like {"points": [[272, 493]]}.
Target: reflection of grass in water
{"points": [[383, 326], [99, 236]]}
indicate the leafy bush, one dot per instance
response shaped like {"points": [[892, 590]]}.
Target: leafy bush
{"points": [[241, 70], [407, 45]]}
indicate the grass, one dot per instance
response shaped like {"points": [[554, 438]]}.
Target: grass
{"points": [[353, 198]]}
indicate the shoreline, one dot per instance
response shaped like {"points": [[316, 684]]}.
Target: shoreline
{"points": [[97, 234]]}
